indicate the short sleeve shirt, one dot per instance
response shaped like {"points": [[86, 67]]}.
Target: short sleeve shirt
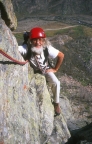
{"points": [[52, 52], [39, 59]]}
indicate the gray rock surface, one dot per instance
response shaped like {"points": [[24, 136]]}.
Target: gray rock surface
{"points": [[8, 14], [26, 111]]}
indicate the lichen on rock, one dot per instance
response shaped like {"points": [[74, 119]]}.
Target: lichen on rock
{"points": [[26, 111]]}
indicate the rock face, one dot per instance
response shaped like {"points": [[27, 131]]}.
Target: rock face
{"points": [[26, 111], [8, 14], [51, 8]]}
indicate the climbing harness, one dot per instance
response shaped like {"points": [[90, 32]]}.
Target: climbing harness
{"points": [[11, 58]]}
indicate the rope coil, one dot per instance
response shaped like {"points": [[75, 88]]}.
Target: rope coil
{"points": [[11, 58]]}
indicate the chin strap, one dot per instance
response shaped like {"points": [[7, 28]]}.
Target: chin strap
{"points": [[11, 58]]}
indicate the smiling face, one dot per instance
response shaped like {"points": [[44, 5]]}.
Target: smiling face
{"points": [[37, 42], [37, 45]]}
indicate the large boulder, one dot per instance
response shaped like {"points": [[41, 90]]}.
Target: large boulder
{"points": [[8, 14], [26, 111]]}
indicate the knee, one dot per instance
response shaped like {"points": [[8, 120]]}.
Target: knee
{"points": [[57, 83]]}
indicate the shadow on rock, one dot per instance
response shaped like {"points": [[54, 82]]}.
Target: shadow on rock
{"points": [[81, 136]]}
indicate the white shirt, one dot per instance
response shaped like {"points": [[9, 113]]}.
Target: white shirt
{"points": [[40, 58]]}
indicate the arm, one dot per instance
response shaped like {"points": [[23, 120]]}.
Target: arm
{"points": [[60, 58]]}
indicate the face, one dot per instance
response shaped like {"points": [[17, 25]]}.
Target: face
{"points": [[37, 42]]}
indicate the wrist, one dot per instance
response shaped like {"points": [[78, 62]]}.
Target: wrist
{"points": [[56, 68]]}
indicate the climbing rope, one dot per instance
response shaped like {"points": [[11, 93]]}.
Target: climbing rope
{"points": [[11, 58]]}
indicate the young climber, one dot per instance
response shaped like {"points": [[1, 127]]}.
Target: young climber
{"points": [[37, 49]]}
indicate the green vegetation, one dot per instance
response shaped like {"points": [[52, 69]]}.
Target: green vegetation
{"points": [[19, 37], [78, 55], [78, 52], [74, 32]]}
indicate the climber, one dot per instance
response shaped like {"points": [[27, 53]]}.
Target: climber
{"points": [[37, 49]]}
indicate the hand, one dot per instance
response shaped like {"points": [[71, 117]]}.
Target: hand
{"points": [[51, 70]]}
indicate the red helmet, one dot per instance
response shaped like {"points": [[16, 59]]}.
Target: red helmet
{"points": [[37, 32]]}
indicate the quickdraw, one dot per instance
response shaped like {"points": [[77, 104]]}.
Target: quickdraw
{"points": [[12, 59]]}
